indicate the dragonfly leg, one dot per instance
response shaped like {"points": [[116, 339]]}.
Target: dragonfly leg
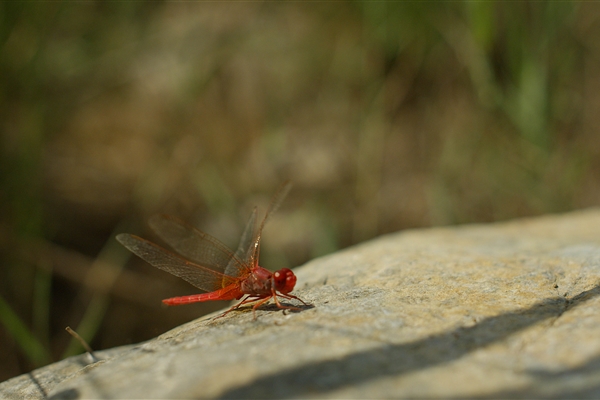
{"points": [[291, 296], [281, 305], [262, 300], [246, 300], [260, 303]]}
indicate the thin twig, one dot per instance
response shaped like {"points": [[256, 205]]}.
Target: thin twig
{"points": [[83, 343]]}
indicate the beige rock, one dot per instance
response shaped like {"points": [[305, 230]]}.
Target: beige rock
{"points": [[500, 310]]}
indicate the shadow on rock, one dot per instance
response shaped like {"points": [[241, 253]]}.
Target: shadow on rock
{"points": [[396, 359], [581, 382]]}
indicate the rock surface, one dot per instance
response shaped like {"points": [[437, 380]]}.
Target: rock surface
{"points": [[500, 310]]}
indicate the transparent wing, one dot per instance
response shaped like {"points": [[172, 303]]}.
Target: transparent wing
{"points": [[278, 197], [198, 246], [199, 276], [244, 250]]}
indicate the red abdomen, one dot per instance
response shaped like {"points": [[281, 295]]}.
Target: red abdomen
{"points": [[231, 292]]}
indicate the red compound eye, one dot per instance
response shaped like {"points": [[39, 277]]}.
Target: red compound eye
{"points": [[285, 280]]}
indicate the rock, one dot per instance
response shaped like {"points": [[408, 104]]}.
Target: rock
{"points": [[499, 310]]}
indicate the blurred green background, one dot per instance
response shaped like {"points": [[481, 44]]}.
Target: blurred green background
{"points": [[385, 115]]}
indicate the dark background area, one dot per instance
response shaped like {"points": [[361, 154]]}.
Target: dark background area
{"points": [[385, 115]]}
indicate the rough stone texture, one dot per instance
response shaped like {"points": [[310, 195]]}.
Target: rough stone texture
{"points": [[501, 310]]}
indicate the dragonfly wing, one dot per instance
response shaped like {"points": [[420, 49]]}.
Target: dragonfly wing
{"points": [[278, 197], [243, 251], [199, 276], [197, 246]]}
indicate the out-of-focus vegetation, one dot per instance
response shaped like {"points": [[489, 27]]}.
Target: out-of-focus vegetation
{"points": [[386, 116]]}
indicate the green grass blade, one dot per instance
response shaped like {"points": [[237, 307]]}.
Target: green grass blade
{"points": [[29, 344]]}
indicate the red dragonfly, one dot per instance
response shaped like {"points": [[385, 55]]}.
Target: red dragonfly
{"points": [[209, 265]]}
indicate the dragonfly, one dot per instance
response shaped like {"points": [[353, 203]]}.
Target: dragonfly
{"points": [[209, 265]]}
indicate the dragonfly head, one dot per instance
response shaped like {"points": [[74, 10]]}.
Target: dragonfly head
{"points": [[284, 280]]}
